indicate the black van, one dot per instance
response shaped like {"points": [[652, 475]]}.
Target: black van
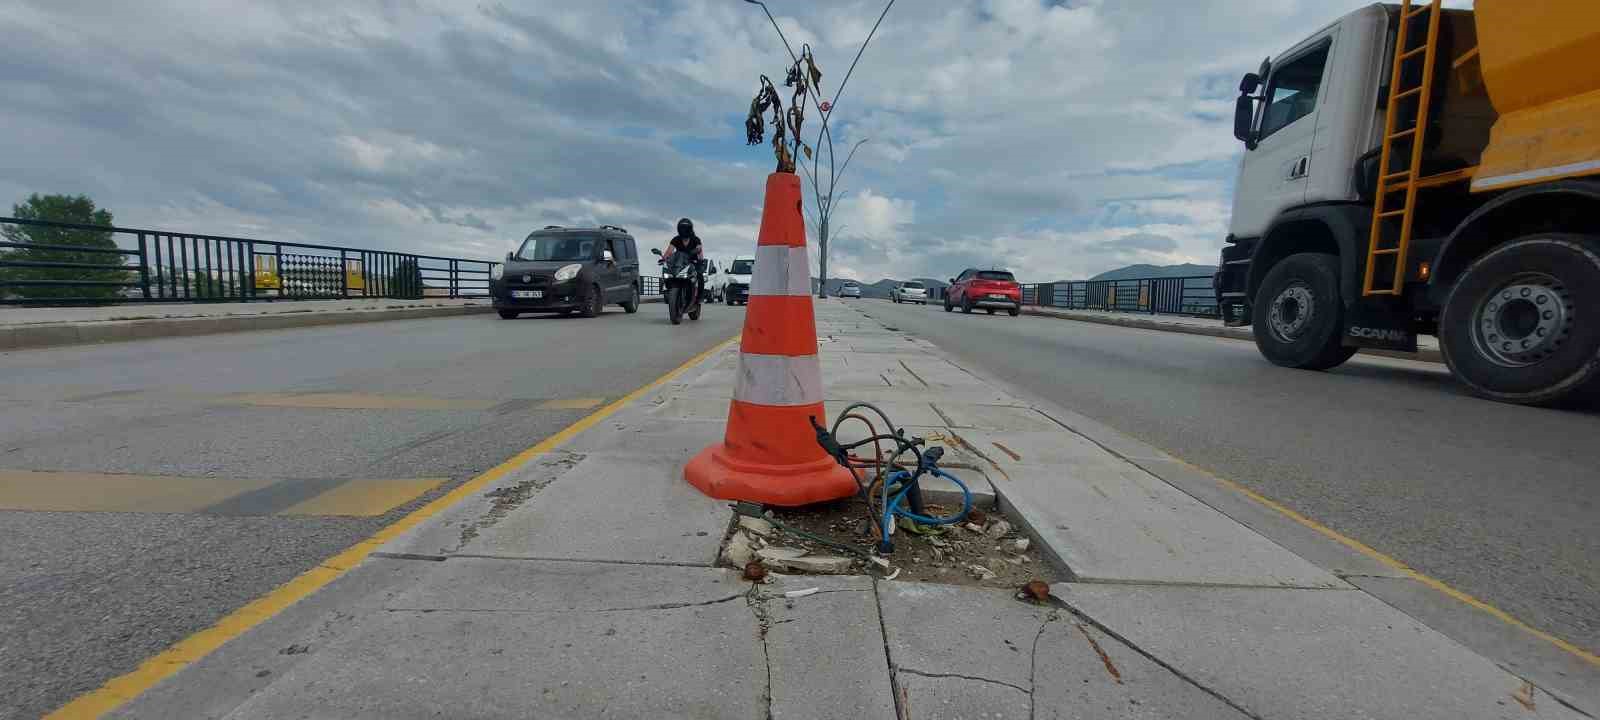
{"points": [[565, 270]]}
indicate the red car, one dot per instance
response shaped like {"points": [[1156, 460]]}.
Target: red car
{"points": [[988, 289]]}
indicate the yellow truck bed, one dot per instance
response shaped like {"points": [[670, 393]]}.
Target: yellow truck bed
{"points": [[1540, 63]]}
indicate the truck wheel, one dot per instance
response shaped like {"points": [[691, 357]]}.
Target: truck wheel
{"points": [[1514, 327], [1298, 313], [631, 305]]}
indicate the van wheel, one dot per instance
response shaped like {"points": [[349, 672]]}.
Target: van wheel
{"points": [[1298, 313], [1513, 328], [509, 314], [595, 303], [631, 305]]}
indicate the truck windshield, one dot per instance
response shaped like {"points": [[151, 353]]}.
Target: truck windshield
{"points": [[1000, 275], [558, 247], [742, 267]]}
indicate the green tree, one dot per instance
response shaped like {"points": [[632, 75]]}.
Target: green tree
{"points": [[60, 208]]}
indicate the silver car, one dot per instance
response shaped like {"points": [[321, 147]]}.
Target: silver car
{"points": [[850, 289], [910, 291]]}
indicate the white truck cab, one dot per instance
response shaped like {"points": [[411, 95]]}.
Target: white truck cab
{"points": [[1319, 116]]}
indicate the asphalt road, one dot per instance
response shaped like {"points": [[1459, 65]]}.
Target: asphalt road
{"points": [[165, 483], [1500, 501]]}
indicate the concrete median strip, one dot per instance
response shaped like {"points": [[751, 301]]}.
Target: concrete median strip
{"points": [[29, 329], [581, 580]]}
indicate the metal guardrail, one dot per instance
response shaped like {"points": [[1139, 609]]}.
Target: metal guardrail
{"points": [[134, 265], [1170, 296]]}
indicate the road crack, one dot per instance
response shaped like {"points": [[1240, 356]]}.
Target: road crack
{"points": [[958, 676]]}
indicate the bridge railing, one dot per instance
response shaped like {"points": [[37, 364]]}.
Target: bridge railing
{"points": [[132, 265], [1173, 296]]}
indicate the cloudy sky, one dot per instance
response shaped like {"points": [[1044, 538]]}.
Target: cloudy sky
{"points": [[1058, 138]]}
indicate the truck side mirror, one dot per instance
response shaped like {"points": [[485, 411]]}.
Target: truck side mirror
{"points": [[510, 256], [1244, 117]]}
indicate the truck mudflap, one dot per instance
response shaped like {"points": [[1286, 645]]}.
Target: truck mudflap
{"points": [[1372, 324]]}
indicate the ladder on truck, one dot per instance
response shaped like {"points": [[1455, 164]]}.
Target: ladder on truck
{"points": [[1392, 224]]}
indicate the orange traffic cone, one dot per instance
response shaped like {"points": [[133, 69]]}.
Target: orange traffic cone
{"points": [[769, 453]]}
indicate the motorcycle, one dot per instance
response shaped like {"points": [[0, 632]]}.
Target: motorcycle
{"points": [[680, 287]]}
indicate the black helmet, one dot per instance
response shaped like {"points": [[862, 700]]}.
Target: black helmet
{"points": [[685, 227]]}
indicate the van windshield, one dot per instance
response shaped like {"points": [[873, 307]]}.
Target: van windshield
{"points": [[742, 267], [566, 246]]}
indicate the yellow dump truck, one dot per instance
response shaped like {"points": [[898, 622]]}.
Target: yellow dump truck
{"points": [[1411, 169]]}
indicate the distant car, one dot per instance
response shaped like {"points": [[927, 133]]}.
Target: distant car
{"points": [[987, 289], [566, 270], [910, 291], [736, 288], [716, 281], [850, 289]]}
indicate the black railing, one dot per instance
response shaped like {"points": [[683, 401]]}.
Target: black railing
{"points": [[1170, 296], [161, 266]]}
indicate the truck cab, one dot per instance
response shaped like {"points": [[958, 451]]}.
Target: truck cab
{"points": [[1377, 170]]}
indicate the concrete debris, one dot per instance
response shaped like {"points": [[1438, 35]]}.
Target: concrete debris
{"points": [[1021, 545], [758, 526], [973, 528], [998, 530], [797, 560], [739, 551], [980, 572]]}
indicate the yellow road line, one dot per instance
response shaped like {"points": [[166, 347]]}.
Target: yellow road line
{"points": [[42, 491], [120, 690], [1410, 572], [364, 498]]}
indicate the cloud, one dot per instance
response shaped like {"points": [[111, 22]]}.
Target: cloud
{"points": [[1057, 138]]}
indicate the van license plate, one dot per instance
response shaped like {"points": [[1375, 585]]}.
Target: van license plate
{"points": [[528, 294]]}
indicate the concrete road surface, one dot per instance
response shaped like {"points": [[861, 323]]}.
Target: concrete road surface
{"points": [[1499, 501], [149, 488]]}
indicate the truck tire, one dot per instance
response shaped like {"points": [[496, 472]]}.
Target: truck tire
{"points": [[1518, 326], [631, 305], [1299, 315]]}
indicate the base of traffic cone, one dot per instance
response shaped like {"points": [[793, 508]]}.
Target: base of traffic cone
{"points": [[715, 473]]}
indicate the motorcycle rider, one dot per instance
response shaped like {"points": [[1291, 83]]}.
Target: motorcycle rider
{"points": [[687, 241]]}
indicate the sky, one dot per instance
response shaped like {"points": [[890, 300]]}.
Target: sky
{"points": [[1055, 138]]}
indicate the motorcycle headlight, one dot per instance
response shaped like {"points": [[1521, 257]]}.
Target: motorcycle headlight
{"points": [[496, 271], [568, 272]]}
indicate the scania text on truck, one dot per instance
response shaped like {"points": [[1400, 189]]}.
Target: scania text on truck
{"points": [[1416, 170]]}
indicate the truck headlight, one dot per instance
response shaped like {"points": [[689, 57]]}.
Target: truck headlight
{"points": [[496, 271], [568, 272]]}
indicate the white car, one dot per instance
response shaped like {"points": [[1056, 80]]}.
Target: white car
{"points": [[716, 281], [736, 288], [910, 291], [850, 289]]}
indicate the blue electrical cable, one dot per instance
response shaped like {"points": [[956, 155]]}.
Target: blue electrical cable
{"points": [[908, 482]]}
